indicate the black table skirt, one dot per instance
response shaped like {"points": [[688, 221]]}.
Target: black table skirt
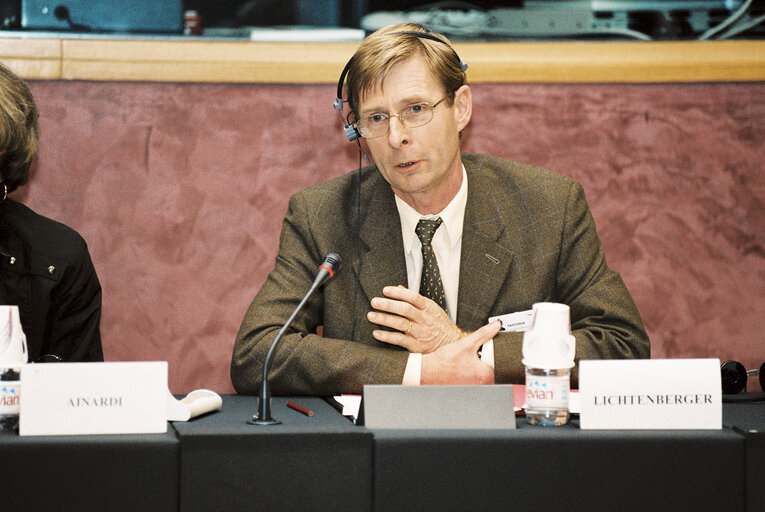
{"points": [[559, 468], [748, 419], [321, 462], [130, 473]]}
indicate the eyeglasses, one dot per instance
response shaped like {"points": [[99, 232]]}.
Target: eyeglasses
{"points": [[417, 114], [734, 376]]}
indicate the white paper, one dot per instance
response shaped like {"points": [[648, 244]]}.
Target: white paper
{"points": [[650, 394], [351, 404], [290, 34], [196, 403]]}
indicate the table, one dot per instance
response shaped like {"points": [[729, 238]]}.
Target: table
{"points": [[136, 472], [563, 468], [748, 419], [321, 462]]}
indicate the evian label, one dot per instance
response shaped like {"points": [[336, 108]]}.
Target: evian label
{"points": [[10, 390], [547, 392]]}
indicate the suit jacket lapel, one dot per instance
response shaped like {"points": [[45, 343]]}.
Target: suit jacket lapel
{"points": [[484, 263], [382, 252]]}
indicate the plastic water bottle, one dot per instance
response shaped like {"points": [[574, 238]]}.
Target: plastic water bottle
{"points": [[13, 355], [548, 355], [10, 392]]}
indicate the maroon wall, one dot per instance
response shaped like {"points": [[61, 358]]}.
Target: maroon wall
{"points": [[180, 191]]}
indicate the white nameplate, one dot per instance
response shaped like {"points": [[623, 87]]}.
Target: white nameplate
{"points": [[93, 398], [515, 322], [650, 394]]}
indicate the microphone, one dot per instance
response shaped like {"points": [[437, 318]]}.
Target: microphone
{"points": [[327, 269]]}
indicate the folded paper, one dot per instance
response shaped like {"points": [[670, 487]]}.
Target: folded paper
{"points": [[196, 403]]}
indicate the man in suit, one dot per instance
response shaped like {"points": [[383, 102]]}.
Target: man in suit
{"points": [[434, 242]]}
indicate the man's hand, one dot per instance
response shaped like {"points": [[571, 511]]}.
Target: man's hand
{"points": [[458, 363], [424, 326]]}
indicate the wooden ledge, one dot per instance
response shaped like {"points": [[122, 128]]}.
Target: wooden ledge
{"points": [[198, 60]]}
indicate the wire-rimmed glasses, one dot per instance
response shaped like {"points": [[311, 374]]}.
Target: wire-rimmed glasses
{"points": [[377, 124]]}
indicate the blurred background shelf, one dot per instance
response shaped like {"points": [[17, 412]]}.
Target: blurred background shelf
{"points": [[203, 60]]}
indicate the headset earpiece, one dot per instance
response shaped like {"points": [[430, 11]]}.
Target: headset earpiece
{"points": [[351, 132], [733, 376]]}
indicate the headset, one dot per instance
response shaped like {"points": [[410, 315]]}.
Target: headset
{"points": [[734, 376], [351, 132]]}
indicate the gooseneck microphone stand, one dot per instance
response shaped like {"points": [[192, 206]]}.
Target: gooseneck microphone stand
{"points": [[327, 269]]}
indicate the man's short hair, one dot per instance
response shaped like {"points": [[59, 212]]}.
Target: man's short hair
{"points": [[18, 129], [391, 45]]}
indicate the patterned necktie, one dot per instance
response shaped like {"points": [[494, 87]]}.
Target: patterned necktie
{"points": [[430, 285]]}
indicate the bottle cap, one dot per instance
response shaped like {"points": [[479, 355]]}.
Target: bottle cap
{"points": [[549, 343]]}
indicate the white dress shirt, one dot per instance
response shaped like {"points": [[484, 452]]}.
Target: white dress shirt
{"points": [[447, 245]]}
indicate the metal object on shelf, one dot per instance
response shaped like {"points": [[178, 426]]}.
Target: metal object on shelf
{"points": [[650, 19]]}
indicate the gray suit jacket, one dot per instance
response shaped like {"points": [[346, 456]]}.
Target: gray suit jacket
{"points": [[528, 237]]}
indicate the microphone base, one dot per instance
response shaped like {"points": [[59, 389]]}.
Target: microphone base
{"points": [[265, 422]]}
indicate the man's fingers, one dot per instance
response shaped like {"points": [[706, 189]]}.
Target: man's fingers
{"points": [[395, 307], [482, 335], [395, 338], [405, 295], [400, 323]]}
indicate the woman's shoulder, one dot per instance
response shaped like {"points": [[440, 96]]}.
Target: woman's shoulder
{"points": [[42, 233]]}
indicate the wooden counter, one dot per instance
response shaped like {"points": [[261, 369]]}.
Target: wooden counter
{"points": [[204, 60]]}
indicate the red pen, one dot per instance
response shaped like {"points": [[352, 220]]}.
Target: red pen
{"points": [[300, 408]]}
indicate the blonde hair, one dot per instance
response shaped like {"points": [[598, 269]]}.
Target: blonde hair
{"points": [[19, 132], [391, 45]]}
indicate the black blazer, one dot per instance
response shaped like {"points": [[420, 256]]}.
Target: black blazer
{"points": [[46, 270]]}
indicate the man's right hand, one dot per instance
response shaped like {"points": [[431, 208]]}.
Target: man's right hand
{"points": [[458, 362], [424, 325]]}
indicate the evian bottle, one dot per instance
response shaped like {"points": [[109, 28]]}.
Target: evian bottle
{"points": [[13, 355], [548, 355]]}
